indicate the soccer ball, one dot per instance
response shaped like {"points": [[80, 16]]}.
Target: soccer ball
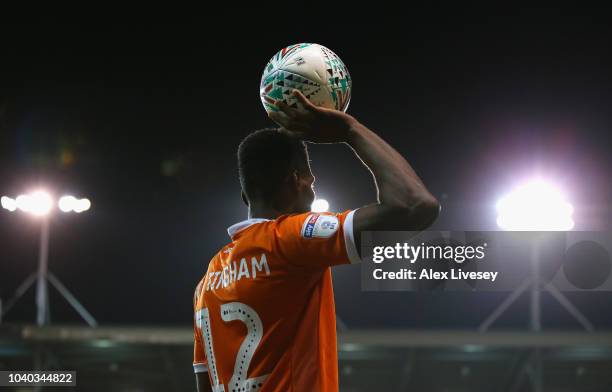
{"points": [[311, 68]]}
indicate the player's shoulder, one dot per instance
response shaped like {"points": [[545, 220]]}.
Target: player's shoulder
{"points": [[213, 265], [222, 253], [302, 216], [310, 224], [197, 293]]}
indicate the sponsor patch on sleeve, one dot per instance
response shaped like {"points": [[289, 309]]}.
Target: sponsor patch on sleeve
{"points": [[320, 226]]}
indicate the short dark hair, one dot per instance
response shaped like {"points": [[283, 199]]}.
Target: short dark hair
{"points": [[265, 158]]}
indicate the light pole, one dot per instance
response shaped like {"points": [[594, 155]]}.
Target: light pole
{"points": [[40, 204], [42, 294]]}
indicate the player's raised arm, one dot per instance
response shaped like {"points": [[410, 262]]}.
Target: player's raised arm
{"points": [[404, 203]]}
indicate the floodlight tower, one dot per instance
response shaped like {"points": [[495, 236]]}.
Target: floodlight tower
{"points": [[40, 204], [535, 206]]}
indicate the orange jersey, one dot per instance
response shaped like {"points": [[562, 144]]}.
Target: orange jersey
{"points": [[264, 312]]}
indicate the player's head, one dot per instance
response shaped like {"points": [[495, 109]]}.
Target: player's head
{"points": [[274, 171]]}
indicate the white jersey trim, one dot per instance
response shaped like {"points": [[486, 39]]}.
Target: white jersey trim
{"points": [[349, 239], [200, 368], [235, 228]]}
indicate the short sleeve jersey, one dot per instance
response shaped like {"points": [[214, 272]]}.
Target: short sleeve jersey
{"points": [[264, 311]]}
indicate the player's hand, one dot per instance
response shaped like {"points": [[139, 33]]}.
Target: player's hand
{"points": [[311, 123]]}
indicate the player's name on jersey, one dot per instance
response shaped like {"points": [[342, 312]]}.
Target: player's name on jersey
{"points": [[246, 268], [430, 274]]}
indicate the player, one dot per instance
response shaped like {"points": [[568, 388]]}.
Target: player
{"points": [[264, 311]]}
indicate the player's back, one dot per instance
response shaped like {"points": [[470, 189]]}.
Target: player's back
{"points": [[265, 310]]}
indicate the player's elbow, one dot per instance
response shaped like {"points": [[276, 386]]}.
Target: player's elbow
{"points": [[417, 214], [429, 210]]}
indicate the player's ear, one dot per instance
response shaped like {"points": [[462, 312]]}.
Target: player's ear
{"points": [[295, 179], [244, 198]]}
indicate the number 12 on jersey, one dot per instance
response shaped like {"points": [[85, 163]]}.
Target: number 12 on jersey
{"points": [[234, 311]]}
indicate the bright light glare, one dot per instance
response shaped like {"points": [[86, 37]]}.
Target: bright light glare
{"points": [[67, 203], [40, 203], [9, 203], [36, 203], [319, 205], [71, 203], [536, 206], [82, 205]]}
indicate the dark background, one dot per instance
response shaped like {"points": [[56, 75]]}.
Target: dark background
{"points": [[145, 120]]}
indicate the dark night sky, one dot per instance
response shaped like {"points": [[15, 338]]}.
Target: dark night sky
{"points": [[145, 120]]}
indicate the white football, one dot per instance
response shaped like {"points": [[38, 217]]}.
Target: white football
{"points": [[311, 68]]}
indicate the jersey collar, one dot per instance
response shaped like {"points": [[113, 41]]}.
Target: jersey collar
{"points": [[235, 228]]}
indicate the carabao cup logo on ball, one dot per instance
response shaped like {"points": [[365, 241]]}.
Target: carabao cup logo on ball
{"points": [[311, 68]]}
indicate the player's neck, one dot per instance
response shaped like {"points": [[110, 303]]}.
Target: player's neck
{"points": [[263, 212]]}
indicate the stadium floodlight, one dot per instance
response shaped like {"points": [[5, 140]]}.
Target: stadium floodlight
{"points": [[66, 203], [37, 203], [70, 203], [8, 203], [535, 206], [319, 205], [82, 205], [40, 203]]}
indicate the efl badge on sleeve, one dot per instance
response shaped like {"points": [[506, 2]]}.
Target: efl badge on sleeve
{"points": [[320, 226]]}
